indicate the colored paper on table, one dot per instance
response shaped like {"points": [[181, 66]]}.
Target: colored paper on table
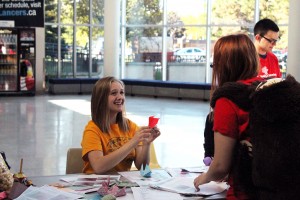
{"points": [[114, 190], [153, 121], [146, 172]]}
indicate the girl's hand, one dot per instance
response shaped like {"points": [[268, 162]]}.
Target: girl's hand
{"points": [[201, 179], [142, 135], [155, 132]]}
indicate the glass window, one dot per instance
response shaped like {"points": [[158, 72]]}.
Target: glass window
{"points": [[186, 40], [144, 12], [67, 12], [143, 50], [275, 10], [233, 12], [188, 12], [66, 50], [188, 56], [219, 31], [51, 51], [51, 11], [82, 50], [97, 51], [98, 12], [82, 12]]}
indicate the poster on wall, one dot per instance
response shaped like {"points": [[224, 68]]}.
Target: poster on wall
{"points": [[24, 13]]}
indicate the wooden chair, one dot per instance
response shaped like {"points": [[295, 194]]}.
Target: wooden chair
{"points": [[153, 164], [74, 161]]}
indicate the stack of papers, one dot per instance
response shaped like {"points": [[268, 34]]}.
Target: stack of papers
{"points": [[84, 184], [142, 193], [157, 175], [91, 180], [186, 172], [185, 186], [45, 193], [164, 180]]}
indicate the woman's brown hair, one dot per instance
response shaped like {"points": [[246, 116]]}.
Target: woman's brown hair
{"points": [[99, 105], [235, 58]]}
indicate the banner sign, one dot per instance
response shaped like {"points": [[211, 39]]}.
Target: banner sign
{"points": [[25, 13]]}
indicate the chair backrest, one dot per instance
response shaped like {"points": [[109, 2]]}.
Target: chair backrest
{"points": [[74, 161], [153, 164]]}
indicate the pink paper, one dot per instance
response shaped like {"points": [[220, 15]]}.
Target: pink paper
{"points": [[105, 189], [153, 121], [3, 195]]}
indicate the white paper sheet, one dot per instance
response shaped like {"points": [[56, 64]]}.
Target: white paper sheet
{"points": [[156, 176], [176, 172], [185, 185], [142, 193], [46, 193], [90, 180]]}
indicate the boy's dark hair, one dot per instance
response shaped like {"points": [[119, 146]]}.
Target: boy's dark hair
{"points": [[265, 25]]}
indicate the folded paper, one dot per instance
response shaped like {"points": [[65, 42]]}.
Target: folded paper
{"points": [[146, 172], [105, 189], [153, 121]]}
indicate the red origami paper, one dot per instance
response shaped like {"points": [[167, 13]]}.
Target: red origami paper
{"points": [[153, 121]]}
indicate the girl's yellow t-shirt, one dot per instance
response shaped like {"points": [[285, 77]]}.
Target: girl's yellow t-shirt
{"points": [[94, 139]]}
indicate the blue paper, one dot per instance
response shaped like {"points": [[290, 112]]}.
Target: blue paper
{"points": [[146, 172]]}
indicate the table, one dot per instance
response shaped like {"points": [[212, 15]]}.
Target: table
{"points": [[45, 180]]}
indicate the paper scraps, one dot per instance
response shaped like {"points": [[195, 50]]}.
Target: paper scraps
{"points": [[105, 189], [146, 172], [126, 184], [94, 180], [153, 121]]}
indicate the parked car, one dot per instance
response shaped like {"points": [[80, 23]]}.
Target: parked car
{"points": [[189, 54]]}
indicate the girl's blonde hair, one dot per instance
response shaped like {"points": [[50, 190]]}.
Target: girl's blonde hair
{"points": [[99, 105]]}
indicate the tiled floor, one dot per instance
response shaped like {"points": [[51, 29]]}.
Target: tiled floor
{"points": [[40, 129]]}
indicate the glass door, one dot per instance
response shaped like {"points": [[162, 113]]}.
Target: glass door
{"points": [[27, 60], [8, 61]]}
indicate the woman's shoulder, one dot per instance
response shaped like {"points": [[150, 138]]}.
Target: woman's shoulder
{"points": [[226, 103], [236, 92], [91, 123], [91, 126]]}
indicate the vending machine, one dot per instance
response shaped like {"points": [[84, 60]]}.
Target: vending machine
{"points": [[17, 61]]}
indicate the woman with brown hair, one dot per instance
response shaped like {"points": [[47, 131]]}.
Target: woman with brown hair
{"points": [[235, 61], [111, 142]]}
